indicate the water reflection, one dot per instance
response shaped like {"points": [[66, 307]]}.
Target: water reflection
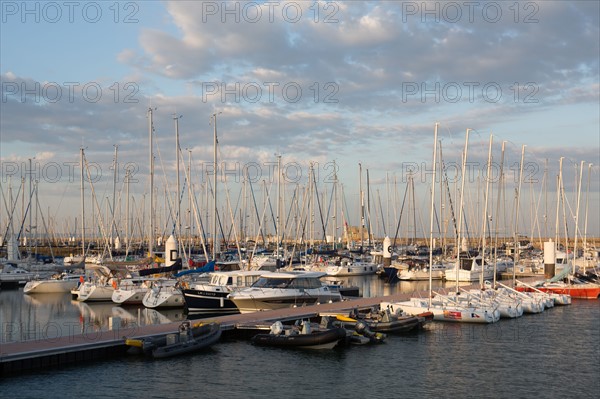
{"points": [[47, 316], [40, 316]]}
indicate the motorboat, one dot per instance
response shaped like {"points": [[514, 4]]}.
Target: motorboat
{"points": [[470, 269], [384, 321], [190, 338], [421, 273], [305, 337], [211, 297], [350, 267], [11, 274], [274, 290]]}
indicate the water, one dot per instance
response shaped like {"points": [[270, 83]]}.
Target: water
{"points": [[553, 354]]}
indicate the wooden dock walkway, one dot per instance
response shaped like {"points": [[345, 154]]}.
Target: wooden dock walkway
{"points": [[73, 348]]}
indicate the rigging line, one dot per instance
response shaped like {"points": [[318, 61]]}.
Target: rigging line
{"points": [[319, 205], [381, 211], [272, 214], [256, 209], [99, 215], [237, 205], [217, 215], [401, 212], [329, 211], [167, 188], [289, 214], [232, 219], [14, 207]]}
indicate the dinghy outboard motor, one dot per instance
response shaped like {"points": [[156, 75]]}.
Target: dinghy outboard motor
{"points": [[362, 328], [277, 328]]}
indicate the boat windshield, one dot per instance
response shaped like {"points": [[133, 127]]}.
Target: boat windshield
{"points": [[272, 282], [292, 283]]}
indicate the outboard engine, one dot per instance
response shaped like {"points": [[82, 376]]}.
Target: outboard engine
{"points": [[277, 328]]}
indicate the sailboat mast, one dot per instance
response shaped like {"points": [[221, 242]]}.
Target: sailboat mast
{"points": [[177, 197], [577, 214], [151, 166], [113, 228], [278, 224], [215, 141], [460, 210], [127, 238], [516, 231], [558, 202], [369, 226], [498, 202], [435, 134], [586, 212], [362, 205], [485, 207], [335, 182], [82, 206]]}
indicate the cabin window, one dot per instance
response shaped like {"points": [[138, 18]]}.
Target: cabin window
{"points": [[272, 282]]}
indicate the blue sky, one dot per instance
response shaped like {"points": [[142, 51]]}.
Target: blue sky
{"points": [[374, 78]]}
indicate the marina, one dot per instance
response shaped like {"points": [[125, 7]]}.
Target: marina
{"points": [[317, 199]]}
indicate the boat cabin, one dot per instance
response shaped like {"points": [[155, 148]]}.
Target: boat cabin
{"points": [[290, 280]]}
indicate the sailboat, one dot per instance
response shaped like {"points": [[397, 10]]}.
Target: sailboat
{"points": [[444, 308], [165, 292], [565, 282]]}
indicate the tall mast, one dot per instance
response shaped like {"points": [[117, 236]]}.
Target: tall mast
{"points": [[435, 134], [127, 239], [177, 197], [460, 204], [188, 177], [586, 212], [369, 226], [335, 182], [558, 202], [498, 202], [82, 206], [277, 227], [485, 207], [362, 205], [151, 166], [113, 226], [215, 142], [516, 231], [577, 214]]}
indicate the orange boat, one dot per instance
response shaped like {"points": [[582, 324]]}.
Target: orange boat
{"points": [[580, 291]]}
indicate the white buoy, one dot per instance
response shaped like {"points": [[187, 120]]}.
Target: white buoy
{"points": [[117, 243], [170, 251]]}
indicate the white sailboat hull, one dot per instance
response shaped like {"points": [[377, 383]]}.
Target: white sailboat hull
{"points": [[129, 297], [163, 299], [89, 292], [442, 312], [50, 286], [468, 275]]}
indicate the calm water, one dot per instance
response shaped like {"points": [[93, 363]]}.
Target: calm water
{"points": [[553, 354]]}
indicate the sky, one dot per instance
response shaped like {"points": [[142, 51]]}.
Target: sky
{"points": [[355, 83]]}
